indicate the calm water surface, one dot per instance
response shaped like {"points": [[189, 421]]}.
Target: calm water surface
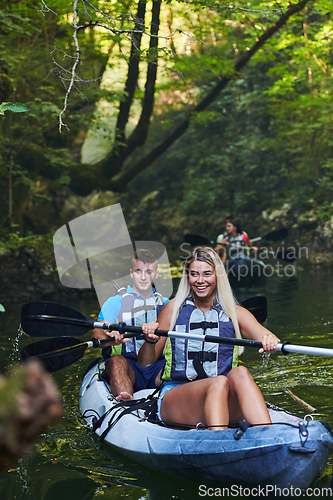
{"points": [[70, 463]]}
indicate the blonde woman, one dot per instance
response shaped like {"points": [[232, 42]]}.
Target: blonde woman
{"points": [[202, 382]]}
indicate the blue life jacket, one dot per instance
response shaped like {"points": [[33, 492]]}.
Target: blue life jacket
{"points": [[238, 245], [136, 311], [188, 359]]}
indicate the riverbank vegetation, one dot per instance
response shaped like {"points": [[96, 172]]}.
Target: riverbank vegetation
{"points": [[184, 112]]}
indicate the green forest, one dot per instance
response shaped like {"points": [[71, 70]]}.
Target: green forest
{"points": [[182, 111]]}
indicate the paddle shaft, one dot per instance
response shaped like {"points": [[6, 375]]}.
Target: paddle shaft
{"points": [[196, 240], [42, 319], [55, 357], [302, 349], [123, 328], [234, 245], [95, 343], [284, 348], [101, 342]]}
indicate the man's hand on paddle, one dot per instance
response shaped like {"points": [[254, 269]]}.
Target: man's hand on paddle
{"points": [[118, 338]]}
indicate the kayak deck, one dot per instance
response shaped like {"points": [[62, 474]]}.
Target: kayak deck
{"points": [[291, 452]]}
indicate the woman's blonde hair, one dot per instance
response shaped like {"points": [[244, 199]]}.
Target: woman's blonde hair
{"points": [[223, 294]]}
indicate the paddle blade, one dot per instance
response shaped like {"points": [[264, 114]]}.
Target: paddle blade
{"points": [[286, 256], [47, 319], [196, 240], [257, 306], [277, 234], [70, 351]]}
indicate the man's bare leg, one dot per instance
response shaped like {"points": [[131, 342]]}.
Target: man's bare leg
{"points": [[122, 378]]}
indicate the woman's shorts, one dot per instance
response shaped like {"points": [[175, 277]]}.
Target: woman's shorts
{"points": [[167, 385]]}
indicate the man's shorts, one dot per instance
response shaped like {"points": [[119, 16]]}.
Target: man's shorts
{"points": [[145, 377]]}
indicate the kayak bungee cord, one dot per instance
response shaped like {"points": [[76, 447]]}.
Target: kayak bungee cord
{"points": [[133, 406]]}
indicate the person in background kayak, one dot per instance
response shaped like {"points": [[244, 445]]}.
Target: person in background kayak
{"points": [[202, 382], [234, 242], [137, 305]]}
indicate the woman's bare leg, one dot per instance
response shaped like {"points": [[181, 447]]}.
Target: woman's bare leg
{"points": [[246, 401], [204, 401], [216, 401]]}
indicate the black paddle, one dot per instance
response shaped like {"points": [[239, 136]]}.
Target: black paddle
{"points": [[257, 306], [43, 319], [278, 234], [48, 319], [198, 240], [56, 360], [56, 353], [59, 352]]}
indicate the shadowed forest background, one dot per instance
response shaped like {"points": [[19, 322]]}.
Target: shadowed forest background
{"points": [[184, 112]]}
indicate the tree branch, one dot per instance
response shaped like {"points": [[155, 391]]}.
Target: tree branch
{"points": [[139, 134], [75, 65], [133, 73], [114, 161], [119, 183]]}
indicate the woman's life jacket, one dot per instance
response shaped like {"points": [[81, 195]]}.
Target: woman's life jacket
{"points": [[238, 244], [195, 359]]}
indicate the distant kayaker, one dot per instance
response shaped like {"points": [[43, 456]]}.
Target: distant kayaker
{"points": [[234, 242], [220, 392], [135, 305]]}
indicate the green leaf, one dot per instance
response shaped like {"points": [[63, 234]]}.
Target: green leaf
{"points": [[2, 309], [17, 107]]}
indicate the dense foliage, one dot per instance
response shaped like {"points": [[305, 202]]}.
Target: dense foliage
{"points": [[264, 139]]}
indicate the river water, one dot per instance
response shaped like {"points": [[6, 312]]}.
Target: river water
{"points": [[68, 461]]}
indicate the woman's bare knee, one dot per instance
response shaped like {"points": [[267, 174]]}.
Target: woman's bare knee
{"points": [[239, 375], [218, 384]]}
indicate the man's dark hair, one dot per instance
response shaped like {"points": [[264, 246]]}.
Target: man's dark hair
{"points": [[145, 256]]}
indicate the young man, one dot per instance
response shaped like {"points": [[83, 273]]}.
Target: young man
{"points": [[138, 305]]}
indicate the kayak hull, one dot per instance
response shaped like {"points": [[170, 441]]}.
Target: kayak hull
{"points": [[244, 268], [275, 455]]}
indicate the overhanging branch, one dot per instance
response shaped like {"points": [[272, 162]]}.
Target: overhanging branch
{"points": [[119, 182]]}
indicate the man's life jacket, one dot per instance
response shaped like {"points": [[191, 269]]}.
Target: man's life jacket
{"points": [[136, 311], [193, 359]]}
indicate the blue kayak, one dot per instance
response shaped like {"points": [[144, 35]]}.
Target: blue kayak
{"points": [[244, 268], [292, 452]]}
